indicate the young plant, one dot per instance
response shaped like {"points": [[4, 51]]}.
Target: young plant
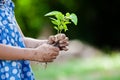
{"points": [[60, 20]]}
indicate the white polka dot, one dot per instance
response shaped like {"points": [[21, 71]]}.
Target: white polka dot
{"points": [[7, 75], [20, 39], [2, 70], [16, 37], [20, 71], [8, 38], [6, 30], [12, 78], [12, 41], [1, 23], [4, 34], [25, 69], [28, 73], [5, 22], [3, 63], [6, 68], [22, 75], [26, 62], [18, 75], [0, 31], [15, 29], [14, 64], [14, 71], [11, 27], [9, 44], [9, 18], [2, 77], [7, 61], [19, 64], [3, 14], [16, 44], [3, 27], [4, 41], [32, 77], [13, 34], [6, 12], [0, 18]]}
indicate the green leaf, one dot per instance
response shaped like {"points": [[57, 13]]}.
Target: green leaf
{"points": [[52, 18], [65, 27], [56, 28], [61, 27], [74, 18], [61, 20], [55, 22], [67, 22], [67, 14], [59, 16], [52, 13]]}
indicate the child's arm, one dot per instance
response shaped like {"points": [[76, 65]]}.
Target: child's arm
{"points": [[44, 53], [33, 43], [14, 53]]}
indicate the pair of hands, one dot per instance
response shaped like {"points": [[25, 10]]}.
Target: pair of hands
{"points": [[47, 52]]}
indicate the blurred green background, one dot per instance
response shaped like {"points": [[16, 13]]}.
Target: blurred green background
{"points": [[98, 20], [98, 26]]}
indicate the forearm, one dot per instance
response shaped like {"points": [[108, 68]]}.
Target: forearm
{"points": [[33, 43], [14, 53]]}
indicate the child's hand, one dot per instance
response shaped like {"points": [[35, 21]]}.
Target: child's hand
{"points": [[59, 40], [45, 53]]}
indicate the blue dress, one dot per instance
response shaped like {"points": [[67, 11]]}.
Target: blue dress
{"points": [[9, 35]]}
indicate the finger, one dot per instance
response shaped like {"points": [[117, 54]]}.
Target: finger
{"points": [[51, 39], [64, 44], [60, 36], [64, 40], [53, 54], [64, 48], [54, 57], [56, 49]]}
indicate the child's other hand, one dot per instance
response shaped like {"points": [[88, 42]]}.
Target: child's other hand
{"points": [[59, 40], [45, 53]]}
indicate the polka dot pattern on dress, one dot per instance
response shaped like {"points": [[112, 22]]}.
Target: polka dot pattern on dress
{"points": [[9, 35]]}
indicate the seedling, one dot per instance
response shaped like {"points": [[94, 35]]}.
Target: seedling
{"points": [[60, 20]]}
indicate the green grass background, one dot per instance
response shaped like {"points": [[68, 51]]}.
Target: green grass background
{"points": [[99, 68]]}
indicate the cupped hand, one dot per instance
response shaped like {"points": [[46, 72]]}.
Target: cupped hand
{"points": [[45, 53], [59, 40]]}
